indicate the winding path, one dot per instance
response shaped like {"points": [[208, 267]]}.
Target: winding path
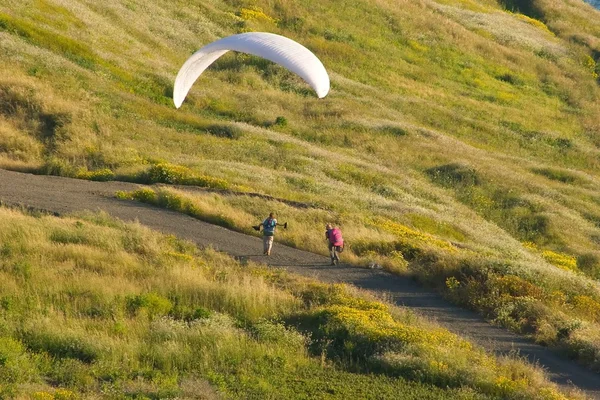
{"points": [[63, 196]]}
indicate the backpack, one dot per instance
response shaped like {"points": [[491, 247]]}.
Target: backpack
{"points": [[335, 237]]}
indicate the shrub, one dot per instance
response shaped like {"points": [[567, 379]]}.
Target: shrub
{"points": [[256, 14], [533, 227], [179, 175], [514, 286], [153, 303], [225, 131], [71, 372], [365, 247], [15, 364], [168, 173], [588, 307], [188, 313], [57, 166], [281, 121], [60, 345], [511, 78], [101, 175], [589, 263], [392, 130], [278, 333], [526, 7], [450, 175], [144, 195]]}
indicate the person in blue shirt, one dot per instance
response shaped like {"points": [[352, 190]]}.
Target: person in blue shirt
{"points": [[268, 226]]}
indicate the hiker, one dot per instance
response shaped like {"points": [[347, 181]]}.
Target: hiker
{"points": [[268, 226], [335, 241]]}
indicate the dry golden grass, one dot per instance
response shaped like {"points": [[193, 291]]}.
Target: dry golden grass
{"points": [[418, 86], [94, 307]]}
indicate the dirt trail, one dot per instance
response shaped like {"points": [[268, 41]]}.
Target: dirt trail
{"points": [[63, 195]]}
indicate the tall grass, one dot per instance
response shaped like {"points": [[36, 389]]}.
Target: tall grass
{"points": [[93, 307], [542, 293], [456, 128]]}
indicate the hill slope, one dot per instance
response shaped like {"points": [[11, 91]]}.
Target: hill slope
{"points": [[94, 308], [71, 196], [461, 137]]}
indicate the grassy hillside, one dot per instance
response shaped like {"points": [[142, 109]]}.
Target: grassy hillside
{"points": [[460, 139], [94, 308]]}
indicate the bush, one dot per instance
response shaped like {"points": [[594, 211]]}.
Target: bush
{"points": [[588, 307], [188, 313], [392, 130], [144, 195], [168, 173], [560, 260], [225, 131], [281, 121], [511, 78], [179, 175], [100, 175], [15, 365], [450, 175], [526, 7], [59, 167], [407, 250], [153, 303], [533, 227], [589, 263], [61, 346], [514, 286]]}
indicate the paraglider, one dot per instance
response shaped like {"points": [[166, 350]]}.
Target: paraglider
{"points": [[279, 49]]}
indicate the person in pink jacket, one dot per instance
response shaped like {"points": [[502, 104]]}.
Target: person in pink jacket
{"points": [[335, 241]]}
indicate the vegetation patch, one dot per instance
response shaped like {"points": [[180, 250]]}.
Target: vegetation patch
{"points": [[225, 131], [63, 45], [174, 321], [179, 175], [173, 201], [557, 175], [526, 307], [101, 175], [453, 175], [521, 217], [87, 87]]}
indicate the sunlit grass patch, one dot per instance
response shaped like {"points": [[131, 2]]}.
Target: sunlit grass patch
{"points": [[476, 97], [177, 319], [411, 235], [163, 172], [70, 48], [366, 333], [436, 227], [561, 260]]}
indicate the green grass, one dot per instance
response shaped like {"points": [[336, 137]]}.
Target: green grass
{"points": [[542, 293], [93, 307], [457, 132]]}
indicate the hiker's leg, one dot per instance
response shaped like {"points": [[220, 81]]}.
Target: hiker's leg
{"points": [[332, 253], [265, 244], [269, 244]]}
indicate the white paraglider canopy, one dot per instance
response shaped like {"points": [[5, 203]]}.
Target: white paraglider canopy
{"points": [[276, 48]]}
